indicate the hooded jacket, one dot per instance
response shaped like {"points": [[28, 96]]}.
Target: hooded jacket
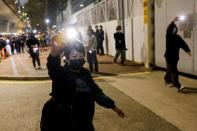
{"points": [[174, 43]]}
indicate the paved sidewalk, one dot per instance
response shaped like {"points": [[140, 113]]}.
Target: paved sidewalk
{"points": [[19, 67], [149, 90]]}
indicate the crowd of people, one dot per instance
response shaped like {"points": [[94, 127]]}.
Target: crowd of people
{"points": [[12, 44], [93, 43]]}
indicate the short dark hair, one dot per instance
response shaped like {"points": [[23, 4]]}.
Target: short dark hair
{"points": [[118, 28], [74, 45]]}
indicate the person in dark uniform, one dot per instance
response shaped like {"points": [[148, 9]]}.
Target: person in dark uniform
{"points": [[119, 45], [74, 92], [100, 40], [173, 44], [97, 37], [33, 45]]}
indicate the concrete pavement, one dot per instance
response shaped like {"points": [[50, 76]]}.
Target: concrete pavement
{"points": [[148, 104], [148, 89], [19, 67]]}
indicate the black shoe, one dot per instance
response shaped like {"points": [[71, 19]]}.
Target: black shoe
{"points": [[122, 63]]}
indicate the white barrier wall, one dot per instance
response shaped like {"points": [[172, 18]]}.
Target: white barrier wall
{"points": [[165, 11], [133, 23], [129, 38], [110, 30], [138, 39], [134, 32]]}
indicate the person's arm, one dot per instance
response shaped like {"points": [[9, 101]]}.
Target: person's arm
{"points": [[104, 100], [184, 46], [55, 70]]}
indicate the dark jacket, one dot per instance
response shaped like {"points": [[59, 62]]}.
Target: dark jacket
{"points": [[97, 34], [32, 41], [173, 44], [2, 44], [75, 94], [119, 40], [101, 35]]}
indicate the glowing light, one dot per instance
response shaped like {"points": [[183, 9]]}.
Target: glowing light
{"points": [[47, 21], [7, 41], [182, 18], [34, 31], [71, 33]]}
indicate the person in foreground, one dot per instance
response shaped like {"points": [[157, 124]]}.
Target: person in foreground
{"points": [[74, 92]]}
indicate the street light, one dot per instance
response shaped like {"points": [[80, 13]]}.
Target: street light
{"points": [[47, 21]]}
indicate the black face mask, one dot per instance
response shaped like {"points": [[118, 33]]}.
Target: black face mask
{"points": [[76, 64]]}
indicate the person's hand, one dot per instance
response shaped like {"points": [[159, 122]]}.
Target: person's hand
{"points": [[55, 48], [189, 53], [119, 112]]}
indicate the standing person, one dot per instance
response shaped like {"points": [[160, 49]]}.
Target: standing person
{"points": [[173, 44], [18, 45], [34, 45], [90, 43], [119, 45], [8, 46], [100, 40], [22, 43], [74, 92], [47, 39], [97, 37]]}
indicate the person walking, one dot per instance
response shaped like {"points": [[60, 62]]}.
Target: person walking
{"points": [[74, 92], [173, 44], [34, 45], [100, 40], [119, 45], [90, 44]]}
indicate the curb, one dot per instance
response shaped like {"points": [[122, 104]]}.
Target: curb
{"points": [[24, 78], [96, 76]]}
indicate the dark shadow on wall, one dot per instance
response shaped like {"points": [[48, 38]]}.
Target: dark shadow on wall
{"points": [[107, 44]]}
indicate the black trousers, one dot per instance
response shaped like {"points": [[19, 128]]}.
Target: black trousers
{"points": [[92, 60], [172, 75], [35, 58], [55, 117], [100, 48], [118, 53]]}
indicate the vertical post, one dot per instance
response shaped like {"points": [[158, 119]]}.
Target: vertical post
{"points": [[149, 32], [121, 14], [8, 27]]}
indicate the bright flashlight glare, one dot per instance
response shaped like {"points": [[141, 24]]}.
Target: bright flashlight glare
{"points": [[182, 18], [71, 33], [47, 21], [7, 41], [35, 31]]}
